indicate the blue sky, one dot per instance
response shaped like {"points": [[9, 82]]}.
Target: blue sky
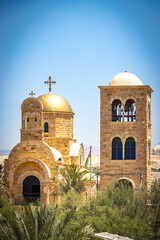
{"points": [[81, 44]]}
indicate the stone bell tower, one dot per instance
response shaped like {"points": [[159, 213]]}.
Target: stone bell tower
{"points": [[32, 119], [125, 131]]}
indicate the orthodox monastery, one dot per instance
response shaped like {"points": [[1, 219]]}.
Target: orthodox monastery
{"points": [[47, 141]]}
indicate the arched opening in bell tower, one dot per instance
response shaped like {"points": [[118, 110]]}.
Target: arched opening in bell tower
{"points": [[117, 111], [130, 111], [31, 188]]}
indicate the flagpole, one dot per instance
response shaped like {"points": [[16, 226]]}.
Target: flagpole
{"points": [[90, 170]]}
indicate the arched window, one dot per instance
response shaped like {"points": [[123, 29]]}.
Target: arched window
{"points": [[46, 127], [117, 111], [130, 111], [116, 149], [130, 148]]}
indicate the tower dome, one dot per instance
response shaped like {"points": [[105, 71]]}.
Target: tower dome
{"points": [[157, 147], [125, 79], [54, 103]]}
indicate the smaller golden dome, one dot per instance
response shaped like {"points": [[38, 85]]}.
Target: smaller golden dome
{"points": [[54, 103], [125, 79]]}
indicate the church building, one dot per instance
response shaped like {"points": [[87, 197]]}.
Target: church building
{"points": [[125, 132], [47, 142]]}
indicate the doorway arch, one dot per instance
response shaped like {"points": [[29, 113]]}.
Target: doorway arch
{"points": [[124, 183], [31, 188]]}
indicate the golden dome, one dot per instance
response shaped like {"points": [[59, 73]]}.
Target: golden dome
{"points": [[54, 103], [125, 79]]}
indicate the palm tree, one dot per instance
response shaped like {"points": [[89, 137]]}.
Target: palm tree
{"points": [[34, 223], [38, 223], [30, 224], [73, 177]]}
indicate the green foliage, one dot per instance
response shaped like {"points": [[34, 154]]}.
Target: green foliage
{"points": [[71, 200], [79, 233], [73, 177], [4, 203], [154, 209], [40, 223], [118, 210], [75, 229], [32, 223]]}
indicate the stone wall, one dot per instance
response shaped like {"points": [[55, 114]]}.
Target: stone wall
{"points": [[60, 124], [60, 134], [31, 134], [62, 144]]}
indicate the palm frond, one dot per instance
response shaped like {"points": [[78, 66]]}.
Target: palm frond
{"points": [[73, 177], [22, 226]]}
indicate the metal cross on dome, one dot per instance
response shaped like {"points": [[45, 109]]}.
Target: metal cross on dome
{"points": [[31, 93], [50, 82]]}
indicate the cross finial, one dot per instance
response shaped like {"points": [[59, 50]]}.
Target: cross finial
{"points": [[32, 93], [50, 82]]}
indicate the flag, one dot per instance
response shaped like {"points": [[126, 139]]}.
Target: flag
{"points": [[89, 157]]}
